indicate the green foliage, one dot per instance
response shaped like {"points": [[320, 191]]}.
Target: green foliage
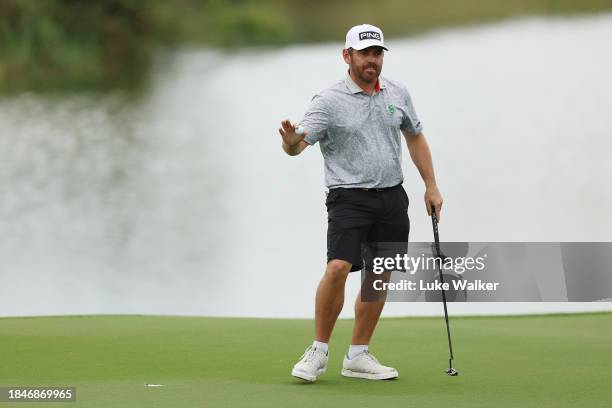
{"points": [[222, 22], [77, 44], [72, 43]]}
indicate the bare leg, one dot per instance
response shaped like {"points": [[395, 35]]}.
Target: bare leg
{"points": [[330, 298], [366, 318], [368, 313]]}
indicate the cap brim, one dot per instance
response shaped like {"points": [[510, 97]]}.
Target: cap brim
{"points": [[370, 43]]}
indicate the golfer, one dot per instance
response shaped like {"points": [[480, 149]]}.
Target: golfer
{"points": [[357, 123]]}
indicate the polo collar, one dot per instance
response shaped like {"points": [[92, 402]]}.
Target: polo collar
{"points": [[354, 88]]}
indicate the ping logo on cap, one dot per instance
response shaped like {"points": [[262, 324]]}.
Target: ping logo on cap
{"points": [[369, 35]]}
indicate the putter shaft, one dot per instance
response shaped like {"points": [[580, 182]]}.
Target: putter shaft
{"points": [[451, 371]]}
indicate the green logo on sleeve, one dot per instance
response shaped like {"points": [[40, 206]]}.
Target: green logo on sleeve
{"points": [[391, 108]]}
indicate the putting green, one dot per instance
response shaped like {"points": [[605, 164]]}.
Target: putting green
{"points": [[530, 361]]}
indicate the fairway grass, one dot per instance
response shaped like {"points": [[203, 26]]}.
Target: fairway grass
{"points": [[528, 361]]}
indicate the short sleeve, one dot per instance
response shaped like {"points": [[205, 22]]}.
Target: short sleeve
{"points": [[315, 120], [410, 120]]}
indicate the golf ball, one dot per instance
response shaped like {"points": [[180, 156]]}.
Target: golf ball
{"points": [[299, 130]]}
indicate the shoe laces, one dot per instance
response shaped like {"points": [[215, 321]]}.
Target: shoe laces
{"points": [[371, 357], [310, 354]]}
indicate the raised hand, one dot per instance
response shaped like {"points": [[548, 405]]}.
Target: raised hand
{"points": [[287, 132]]}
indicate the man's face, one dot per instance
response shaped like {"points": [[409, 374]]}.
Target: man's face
{"points": [[365, 64]]}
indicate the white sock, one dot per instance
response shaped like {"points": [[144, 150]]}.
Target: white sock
{"points": [[320, 346], [356, 349]]}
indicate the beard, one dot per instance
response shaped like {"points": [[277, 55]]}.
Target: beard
{"points": [[366, 72]]}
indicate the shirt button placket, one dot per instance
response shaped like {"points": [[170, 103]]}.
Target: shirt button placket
{"points": [[372, 111]]}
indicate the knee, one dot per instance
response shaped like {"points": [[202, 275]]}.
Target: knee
{"points": [[337, 270]]}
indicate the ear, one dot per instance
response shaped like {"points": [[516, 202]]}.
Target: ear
{"points": [[346, 56]]}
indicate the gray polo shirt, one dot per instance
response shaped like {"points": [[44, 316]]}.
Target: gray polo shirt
{"points": [[359, 134]]}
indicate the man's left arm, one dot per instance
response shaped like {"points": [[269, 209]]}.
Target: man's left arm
{"points": [[421, 157]]}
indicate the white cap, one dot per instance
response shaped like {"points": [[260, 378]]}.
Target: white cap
{"points": [[364, 36]]}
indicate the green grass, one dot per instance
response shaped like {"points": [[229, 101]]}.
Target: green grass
{"points": [[533, 361]]}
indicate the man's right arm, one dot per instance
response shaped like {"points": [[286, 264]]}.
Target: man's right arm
{"points": [[295, 149], [293, 144], [315, 120]]}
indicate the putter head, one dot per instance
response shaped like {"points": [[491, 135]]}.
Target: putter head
{"points": [[451, 372]]}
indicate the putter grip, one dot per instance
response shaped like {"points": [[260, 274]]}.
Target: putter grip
{"points": [[434, 222]]}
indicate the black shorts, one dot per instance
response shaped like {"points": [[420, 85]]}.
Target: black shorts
{"points": [[356, 216]]}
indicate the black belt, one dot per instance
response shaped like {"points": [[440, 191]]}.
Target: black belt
{"points": [[378, 189]]}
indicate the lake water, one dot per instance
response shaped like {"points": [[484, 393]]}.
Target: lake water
{"points": [[182, 202]]}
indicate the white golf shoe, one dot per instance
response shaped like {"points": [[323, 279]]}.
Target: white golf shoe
{"points": [[312, 364], [365, 365]]}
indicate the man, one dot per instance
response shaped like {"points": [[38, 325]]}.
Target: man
{"points": [[357, 123]]}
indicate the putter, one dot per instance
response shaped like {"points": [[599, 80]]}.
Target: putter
{"points": [[434, 220]]}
